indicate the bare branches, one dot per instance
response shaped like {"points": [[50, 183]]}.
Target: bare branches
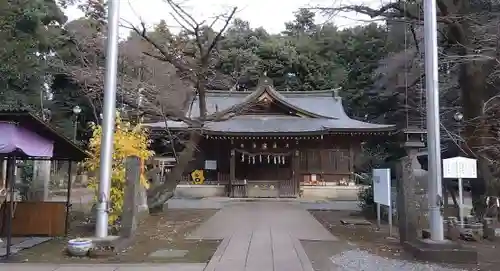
{"points": [[223, 29], [83, 63], [193, 60], [399, 10], [193, 27], [189, 68], [193, 67], [167, 53], [395, 10]]}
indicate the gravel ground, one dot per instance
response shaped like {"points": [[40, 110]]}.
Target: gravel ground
{"points": [[359, 260], [371, 249]]}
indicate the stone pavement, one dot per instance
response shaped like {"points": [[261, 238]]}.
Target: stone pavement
{"points": [[261, 236], [221, 202], [257, 236], [104, 267]]}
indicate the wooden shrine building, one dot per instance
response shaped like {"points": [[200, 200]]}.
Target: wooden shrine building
{"points": [[275, 141]]}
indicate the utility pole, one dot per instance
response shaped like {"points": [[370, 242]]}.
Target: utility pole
{"points": [[108, 122], [433, 132]]}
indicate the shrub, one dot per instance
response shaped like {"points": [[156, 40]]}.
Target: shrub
{"points": [[365, 197], [128, 141]]}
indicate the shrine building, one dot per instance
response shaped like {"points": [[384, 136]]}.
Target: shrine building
{"points": [[273, 144]]}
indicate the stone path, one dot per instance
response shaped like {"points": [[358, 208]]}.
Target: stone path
{"points": [[221, 202], [257, 236], [104, 267], [20, 243], [261, 236]]}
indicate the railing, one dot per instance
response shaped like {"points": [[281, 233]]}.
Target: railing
{"points": [[221, 179], [325, 179]]}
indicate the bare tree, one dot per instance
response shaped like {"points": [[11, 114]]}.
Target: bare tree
{"points": [[193, 60], [470, 41], [82, 62]]}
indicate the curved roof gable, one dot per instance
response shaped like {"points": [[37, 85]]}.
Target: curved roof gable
{"points": [[319, 111], [315, 104], [269, 91]]}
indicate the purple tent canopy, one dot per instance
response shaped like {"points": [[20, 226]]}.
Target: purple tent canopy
{"points": [[14, 137]]}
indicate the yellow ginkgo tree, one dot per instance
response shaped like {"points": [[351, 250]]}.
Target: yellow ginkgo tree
{"points": [[129, 140]]}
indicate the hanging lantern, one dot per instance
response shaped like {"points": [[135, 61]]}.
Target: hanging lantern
{"points": [[242, 157], [254, 145], [242, 146], [268, 159], [260, 158], [253, 159], [275, 145], [264, 146], [287, 145]]}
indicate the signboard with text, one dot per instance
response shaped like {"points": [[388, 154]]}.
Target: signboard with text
{"points": [[460, 168], [382, 186], [211, 164]]}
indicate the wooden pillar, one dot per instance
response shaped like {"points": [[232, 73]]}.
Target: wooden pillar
{"points": [[295, 170], [68, 200], [3, 173], [232, 173], [351, 159]]}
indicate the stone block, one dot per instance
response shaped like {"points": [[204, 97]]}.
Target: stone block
{"points": [[331, 192], [355, 221], [452, 233], [489, 231], [131, 197], [441, 252], [108, 241], [199, 191], [168, 253]]}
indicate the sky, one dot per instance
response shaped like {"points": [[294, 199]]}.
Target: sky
{"points": [[270, 14]]}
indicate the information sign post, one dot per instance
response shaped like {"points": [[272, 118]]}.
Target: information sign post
{"points": [[382, 193], [460, 168]]}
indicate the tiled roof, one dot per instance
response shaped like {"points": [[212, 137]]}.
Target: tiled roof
{"points": [[318, 102], [325, 108], [272, 124], [263, 124]]}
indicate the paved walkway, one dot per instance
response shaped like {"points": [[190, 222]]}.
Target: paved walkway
{"points": [[104, 267], [257, 236], [261, 236], [221, 202]]}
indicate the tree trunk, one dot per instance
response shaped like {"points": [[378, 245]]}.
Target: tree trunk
{"points": [[160, 193], [474, 92], [473, 87]]}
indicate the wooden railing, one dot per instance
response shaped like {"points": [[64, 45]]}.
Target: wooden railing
{"points": [[327, 179], [221, 179]]}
